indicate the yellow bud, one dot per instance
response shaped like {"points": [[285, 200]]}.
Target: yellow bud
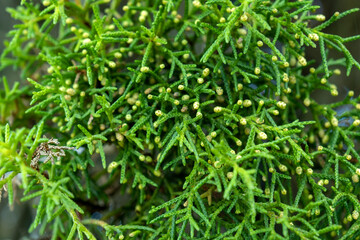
{"points": [[302, 61], [247, 103], [320, 17], [355, 214], [281, 105], [217, 109], [334, 122], [158, 113], [356, 123], [144, 69], [243, 121], [206, 72], [196, 105], [260, 43], [112, 64], [230, 175], [244, 18], [307, 102], [69, 21], [262, 136]]}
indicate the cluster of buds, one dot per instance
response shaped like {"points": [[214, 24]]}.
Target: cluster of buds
{"points": [[334, 91], [283, 168], [320, 17], [196, 3], [302, 61], [143, 15], [144, 69], [281, 105], [262, 135], [244, 17], [314, 36], [334, 121], [158, 113], [196, 105], [217, 109]]}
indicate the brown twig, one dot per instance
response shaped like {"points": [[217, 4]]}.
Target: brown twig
{"points": [[47, 149]]}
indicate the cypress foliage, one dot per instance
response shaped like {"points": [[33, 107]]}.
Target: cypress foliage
{"points": [[180, 120]]}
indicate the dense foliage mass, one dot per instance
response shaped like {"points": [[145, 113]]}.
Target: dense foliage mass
{"points": [[179, 120]]}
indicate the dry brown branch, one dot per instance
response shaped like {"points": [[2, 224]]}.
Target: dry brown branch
{"points": [[49, 149]]}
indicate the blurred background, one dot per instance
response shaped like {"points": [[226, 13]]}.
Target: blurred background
{"points": [[15, 222]]}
